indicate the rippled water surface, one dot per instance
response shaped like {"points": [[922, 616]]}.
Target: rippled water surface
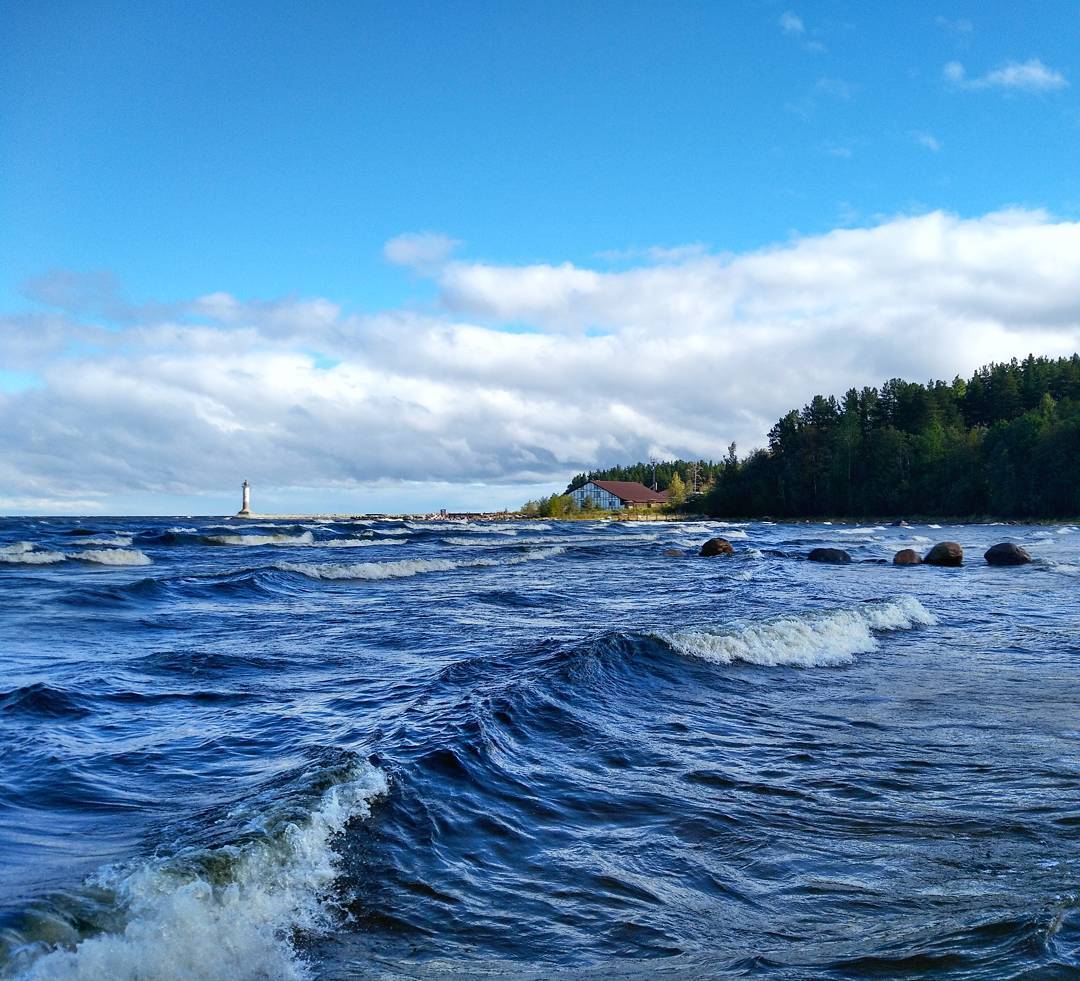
{"points": [[388, 749]]}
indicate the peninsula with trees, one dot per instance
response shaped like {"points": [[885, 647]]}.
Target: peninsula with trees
{"points": [[1005, 442]]}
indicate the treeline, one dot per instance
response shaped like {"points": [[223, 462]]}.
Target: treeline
{"points": [[699, 474], [1005, 442]]}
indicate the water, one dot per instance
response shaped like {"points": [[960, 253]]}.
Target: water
{"points": [[337, 750]]}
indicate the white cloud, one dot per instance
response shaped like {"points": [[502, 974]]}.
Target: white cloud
{"points": [[422, 251], [675, 357], [791, 23], [1027, 76], [926, 140]]}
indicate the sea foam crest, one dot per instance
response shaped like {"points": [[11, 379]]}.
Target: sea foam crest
{"points": [[304, 538], [182, 924], [112, 556], [405, 567], [806, 640], [24, 553]]}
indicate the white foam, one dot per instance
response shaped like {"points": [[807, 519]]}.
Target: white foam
{"points": [[182, 531], [805, 640], [933, 526], [113, 556], [118, 540], [405, 567], [25, 553], [184, 927], [358, 542], [304, 538]]}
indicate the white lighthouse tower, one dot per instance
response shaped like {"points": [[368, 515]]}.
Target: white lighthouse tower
{"points": [[245, 511]]}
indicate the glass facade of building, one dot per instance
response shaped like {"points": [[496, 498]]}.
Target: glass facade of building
{"points": [[596, 496]]}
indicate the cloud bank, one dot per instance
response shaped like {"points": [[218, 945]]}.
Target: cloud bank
{"points": [[518, 374]]}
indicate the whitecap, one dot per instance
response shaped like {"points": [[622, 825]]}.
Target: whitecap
{"points": [[804, 640], [119, 540], [26, 553], [405, 567], [934, 526], [358, 542], [113, 556], [183, 923], [304, 538]]}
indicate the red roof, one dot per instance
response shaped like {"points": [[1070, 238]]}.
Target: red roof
{"points": [[631, 492]]}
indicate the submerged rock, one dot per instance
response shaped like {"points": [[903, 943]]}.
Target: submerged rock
{"points": [[1006, 553], [834, 555], [674, 553], [945, 553], [717, 546], [907, 556]]}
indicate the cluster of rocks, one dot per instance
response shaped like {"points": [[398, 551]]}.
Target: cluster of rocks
{"points": [[948, 554]]}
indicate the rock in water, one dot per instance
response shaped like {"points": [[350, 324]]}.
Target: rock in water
{"points": [[674, 553], [834, 555], [907, 556], [717, 546], [1006, 553], [945, 553]]}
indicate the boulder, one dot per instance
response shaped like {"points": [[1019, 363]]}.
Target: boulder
{"points": [[1006, 553], [907, 556], [945, 553], [674, 553], [717, 546], [834, 555]]}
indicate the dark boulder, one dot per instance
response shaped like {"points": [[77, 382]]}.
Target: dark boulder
{"points": [[1006, 553], [717, 546], [907, 556], [945, 553], [833, 555]]}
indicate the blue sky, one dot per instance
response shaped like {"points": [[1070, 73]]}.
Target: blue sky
{"points": [[153, 154]]}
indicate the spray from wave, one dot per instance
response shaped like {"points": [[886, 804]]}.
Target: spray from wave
{"points": [[808, 640], [230, 912]]}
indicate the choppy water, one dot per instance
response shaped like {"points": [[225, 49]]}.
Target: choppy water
{"points": [[330, 750]]}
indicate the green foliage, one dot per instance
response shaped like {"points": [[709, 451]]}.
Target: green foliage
{"points": [[555, 506], [1006, 442], [676, 491]]}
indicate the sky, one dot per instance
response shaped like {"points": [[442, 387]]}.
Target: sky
{"points": [[398, 256]]}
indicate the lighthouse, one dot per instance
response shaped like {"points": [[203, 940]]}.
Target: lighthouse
{"points": [[245, 510]]}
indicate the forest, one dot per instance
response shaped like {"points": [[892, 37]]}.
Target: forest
{"points": [[1004, 443]]}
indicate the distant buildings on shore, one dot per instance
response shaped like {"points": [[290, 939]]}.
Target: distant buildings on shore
{"points": [[614, 495]]}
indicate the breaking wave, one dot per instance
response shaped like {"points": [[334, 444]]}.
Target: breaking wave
{"points": [[227, 912], [304, 538], [808, 640], [26, 553], [113, 556], [405, 567]]}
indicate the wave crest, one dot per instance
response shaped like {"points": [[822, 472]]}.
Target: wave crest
{"points": [[405, 567], [229, 913], [807, 640]]}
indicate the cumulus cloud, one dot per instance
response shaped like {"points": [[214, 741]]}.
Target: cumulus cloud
{"points": [[1026, 76], [523, 374], [422, 251]]}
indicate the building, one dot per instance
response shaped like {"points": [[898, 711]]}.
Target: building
{"points": [[612, 495]]}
